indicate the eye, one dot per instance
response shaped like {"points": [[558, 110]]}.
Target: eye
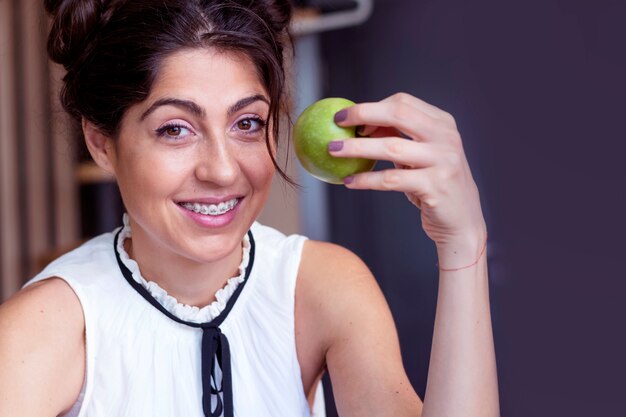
{"points": [[173, 131], [250, 125], [245, 124]]}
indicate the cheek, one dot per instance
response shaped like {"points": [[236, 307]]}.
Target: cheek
{"points": [[259, 169], [150, 174]]}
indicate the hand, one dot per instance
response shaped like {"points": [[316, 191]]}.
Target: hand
{"points": [[430, 166]]}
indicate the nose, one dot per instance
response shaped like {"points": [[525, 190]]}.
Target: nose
{"points": [[216, 162]]}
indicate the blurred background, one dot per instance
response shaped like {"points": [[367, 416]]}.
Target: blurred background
{"points": [[537, 88]]}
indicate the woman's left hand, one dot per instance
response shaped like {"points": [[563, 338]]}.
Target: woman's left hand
{"points": [[430, 166]]}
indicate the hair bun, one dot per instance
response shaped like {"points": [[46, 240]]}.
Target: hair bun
{"points": [[275, 13], [278, 13], [73, 26]]}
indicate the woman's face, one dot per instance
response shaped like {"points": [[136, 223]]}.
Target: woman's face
{"points": [[191, 160]]}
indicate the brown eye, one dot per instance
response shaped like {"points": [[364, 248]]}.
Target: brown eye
{"points": [[245, 124], [173, 130], [252, 126]]}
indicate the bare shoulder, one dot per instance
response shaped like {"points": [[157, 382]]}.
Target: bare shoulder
{"points": [[41, 350], [335, 285], [327, 261], [332, 273], [329, 278], [350, 324], [51, 301]]}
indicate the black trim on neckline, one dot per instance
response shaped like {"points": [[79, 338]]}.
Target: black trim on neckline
{"points": [[215, 347], [146, 294]]}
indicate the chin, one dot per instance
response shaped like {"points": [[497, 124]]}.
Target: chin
{"points": [[213, 249]]}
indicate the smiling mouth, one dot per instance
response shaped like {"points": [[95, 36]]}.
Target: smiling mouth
{"points": [[211, 209]]}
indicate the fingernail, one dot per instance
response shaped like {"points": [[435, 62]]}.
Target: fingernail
{"points": [[341, 115], [335, 146], [348, 180]]}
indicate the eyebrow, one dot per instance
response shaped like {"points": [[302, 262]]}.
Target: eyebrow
{"points": [[244, 102], [198, 111]]}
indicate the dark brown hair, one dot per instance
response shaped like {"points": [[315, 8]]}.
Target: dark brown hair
{"points": [[112, 49]]}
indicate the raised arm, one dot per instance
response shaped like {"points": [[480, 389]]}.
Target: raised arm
{"points": [[431, 169], [42, 351], [343, 318]]}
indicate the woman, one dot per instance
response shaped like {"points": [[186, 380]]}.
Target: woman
{"points": [[194, 309]]}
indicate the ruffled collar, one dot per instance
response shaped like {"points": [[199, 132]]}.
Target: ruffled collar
{"points": [[183, 311]]}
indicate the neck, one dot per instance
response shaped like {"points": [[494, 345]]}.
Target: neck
{"points": [[190, 282]]}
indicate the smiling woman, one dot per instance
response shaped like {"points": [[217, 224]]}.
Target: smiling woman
{"points": [[192, 167], [193, 308]]}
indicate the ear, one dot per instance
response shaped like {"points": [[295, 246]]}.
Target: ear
{"points": [[101, 147]]}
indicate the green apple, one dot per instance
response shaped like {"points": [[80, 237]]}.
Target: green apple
{"points": [[313, 130]]}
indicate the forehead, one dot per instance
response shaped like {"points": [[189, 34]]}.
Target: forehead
{"points": [[207, 76]]}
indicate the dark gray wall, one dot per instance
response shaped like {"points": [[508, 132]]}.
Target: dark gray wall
{"points": [[538, 91]]}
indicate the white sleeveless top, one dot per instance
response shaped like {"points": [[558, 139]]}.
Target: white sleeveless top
{"points": [[140, 362]]}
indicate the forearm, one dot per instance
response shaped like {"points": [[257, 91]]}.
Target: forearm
{"points": [[462, 378]]}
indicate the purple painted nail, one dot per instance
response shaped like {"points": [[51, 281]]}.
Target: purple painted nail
{"points": [[341, 115], [348, 180], [335, 145]]}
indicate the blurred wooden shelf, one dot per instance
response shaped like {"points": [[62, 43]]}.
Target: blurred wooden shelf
{"points": [[330, 15], [91, 173]]}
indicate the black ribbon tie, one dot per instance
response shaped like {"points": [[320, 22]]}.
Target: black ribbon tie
{"points": [[215, 348]]}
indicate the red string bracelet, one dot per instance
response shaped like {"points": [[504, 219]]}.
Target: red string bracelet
{"points": [[470, 265]]}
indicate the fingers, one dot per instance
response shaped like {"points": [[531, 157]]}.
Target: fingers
{"points": [[411, 181], [431, 169], [400, 151], [418, 104], [400, 116]]}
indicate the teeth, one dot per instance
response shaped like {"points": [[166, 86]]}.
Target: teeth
{"points": [[212, 209]]}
